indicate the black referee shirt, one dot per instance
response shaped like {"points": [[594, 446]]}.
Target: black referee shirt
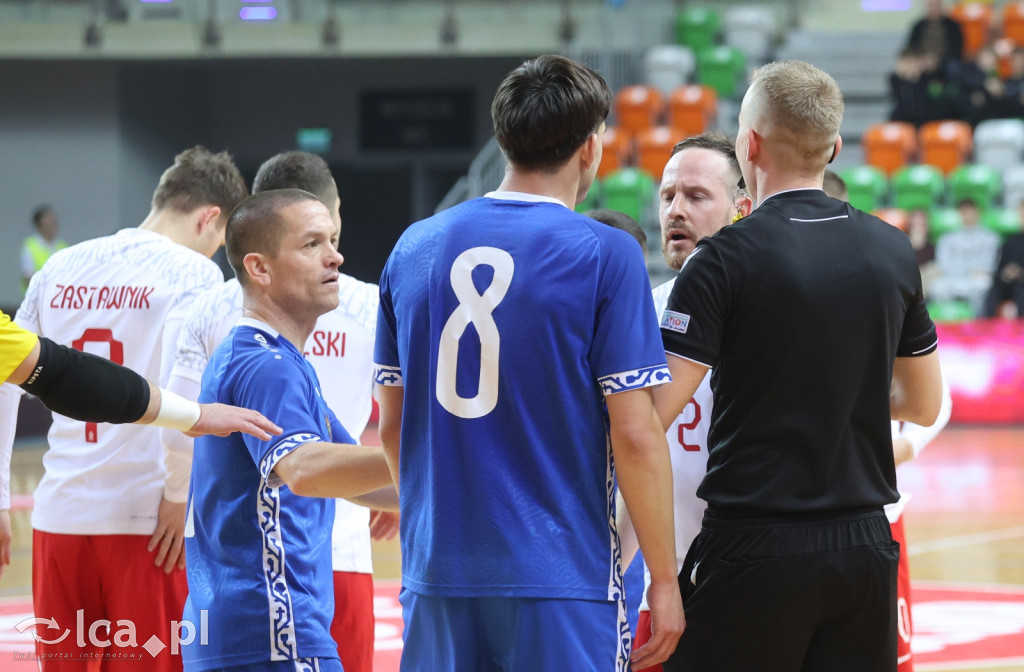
{"points": [[800, 309]]}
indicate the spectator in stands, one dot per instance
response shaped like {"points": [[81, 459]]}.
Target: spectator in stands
{"points": [[910, 88], [1013, 100], [978, 92], [939, 35], [38, 247], [966, 259], [924, 249], [1006, 296]]}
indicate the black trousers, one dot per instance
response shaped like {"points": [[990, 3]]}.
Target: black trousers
{"points": [[789, 593]]}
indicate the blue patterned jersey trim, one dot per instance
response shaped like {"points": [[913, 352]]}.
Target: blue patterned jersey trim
{"points": [[387, 375], [275, 576], [636, 379]]}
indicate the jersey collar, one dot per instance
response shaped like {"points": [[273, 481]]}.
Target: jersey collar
{"points": [[257, 324], [522, 196], [788, 191]]}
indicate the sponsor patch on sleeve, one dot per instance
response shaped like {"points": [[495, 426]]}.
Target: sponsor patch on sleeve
{"points": [[674, 321]]}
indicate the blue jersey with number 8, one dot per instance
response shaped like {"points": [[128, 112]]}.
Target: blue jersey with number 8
{"points": [[507, 319]]}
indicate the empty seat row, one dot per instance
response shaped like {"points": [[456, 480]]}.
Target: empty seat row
{"points": [[750, 28], [1004, 221], [669, 66], [923, 187], [947, 144], [979, 25]]}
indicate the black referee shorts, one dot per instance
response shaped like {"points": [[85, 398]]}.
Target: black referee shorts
{"points": [[790, 593]]}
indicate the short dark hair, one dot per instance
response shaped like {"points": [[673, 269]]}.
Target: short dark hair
{"points": [[546, 108], [620, 220], [835, 186], [39, 213], [297, 170], [716, 142], [199, 177], [255, 226]]}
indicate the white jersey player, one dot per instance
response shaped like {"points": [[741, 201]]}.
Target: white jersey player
{"points": [[100, 505], [700, 193]]}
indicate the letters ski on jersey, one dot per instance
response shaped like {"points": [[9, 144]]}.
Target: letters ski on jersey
{"points": [[278, 608], [504, 319], [341, 352], [115, 297]]}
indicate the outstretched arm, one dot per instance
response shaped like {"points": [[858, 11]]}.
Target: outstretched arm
{"points": [[89, 388]]}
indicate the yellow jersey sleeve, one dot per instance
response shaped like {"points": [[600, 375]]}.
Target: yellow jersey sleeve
{"points": [[15, 345]]}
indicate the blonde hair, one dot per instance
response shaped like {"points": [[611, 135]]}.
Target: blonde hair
{"points": [[798, 104]]}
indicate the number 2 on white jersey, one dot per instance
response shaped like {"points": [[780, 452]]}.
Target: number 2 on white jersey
{"points": [[476, 309]]}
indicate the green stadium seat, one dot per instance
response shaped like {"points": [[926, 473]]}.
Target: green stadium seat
{"points": [[724, 69], [950, 311], [941, 221], [629, 190], [1004, 221], [919, 187], [867, 186], [982, 183], [593, 199], [698, 27]]}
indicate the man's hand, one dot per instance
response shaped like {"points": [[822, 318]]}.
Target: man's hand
{"points": [[667, 624], [383, 525], [169, 537], [222, 420], [902, 450], [5, 540]]}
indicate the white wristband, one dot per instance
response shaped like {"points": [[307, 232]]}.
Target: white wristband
{"points": [[176, 412]]}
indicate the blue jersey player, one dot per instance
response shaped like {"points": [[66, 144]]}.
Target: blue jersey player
{"points": [[258, 534], [516, 351]]}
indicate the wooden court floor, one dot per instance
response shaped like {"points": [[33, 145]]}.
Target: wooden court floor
{"points": [[964, 523]]}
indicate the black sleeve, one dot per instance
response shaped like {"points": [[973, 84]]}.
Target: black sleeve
{"points": [[86, 387], [918, 336], [693, 323]]}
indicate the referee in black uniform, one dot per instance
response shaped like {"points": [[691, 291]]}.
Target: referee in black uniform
{"points": [[811, 314]]}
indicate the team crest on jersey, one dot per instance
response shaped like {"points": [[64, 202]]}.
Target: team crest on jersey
{"points": [[673, 321]]}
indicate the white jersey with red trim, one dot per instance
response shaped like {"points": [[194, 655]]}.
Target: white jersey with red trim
{"points": [[116, 297], [340, 350], [688, 449]]}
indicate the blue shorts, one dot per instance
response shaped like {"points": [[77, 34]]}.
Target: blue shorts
{"points": [[300, 665], [513, 634]]}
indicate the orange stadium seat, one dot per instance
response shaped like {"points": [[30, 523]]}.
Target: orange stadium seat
{"points": [[893, 216], [945, 144], [1013, 22], [654, 147], [617, 151], [889, 145], [638, 107], [975, 21], [692, 108]]}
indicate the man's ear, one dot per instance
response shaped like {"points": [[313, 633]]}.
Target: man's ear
{"points": [[588, 152], [835, 148], [744, 205], [208, 216], [257, 269], [754, 144]]}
